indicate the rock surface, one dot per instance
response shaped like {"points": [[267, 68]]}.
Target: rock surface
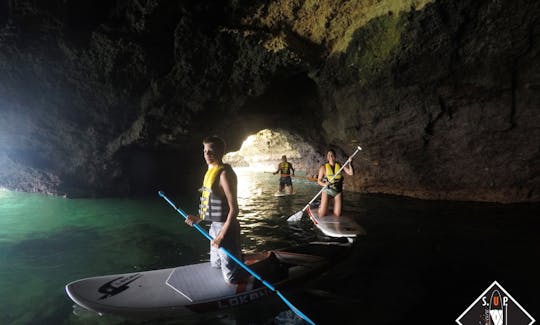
{"points": [[101, 98]]}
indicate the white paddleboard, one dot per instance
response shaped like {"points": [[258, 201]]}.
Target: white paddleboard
{"points": [[343, 226], [196, 288], [146, 294]]}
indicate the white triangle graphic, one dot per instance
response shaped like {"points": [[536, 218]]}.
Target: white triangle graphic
{"points": [[497, 317]]}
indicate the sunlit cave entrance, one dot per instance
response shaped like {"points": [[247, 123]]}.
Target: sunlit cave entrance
{"points": [[263, 151], [258, 158]]}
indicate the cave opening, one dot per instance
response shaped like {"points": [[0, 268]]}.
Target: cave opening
{"points": [[290, 103], [283, 120], [263, 151]]}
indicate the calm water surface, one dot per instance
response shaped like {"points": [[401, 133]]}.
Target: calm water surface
{"points": [[420, 262]]}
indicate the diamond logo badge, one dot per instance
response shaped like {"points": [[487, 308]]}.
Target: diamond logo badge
{"points": [[495, 306]]}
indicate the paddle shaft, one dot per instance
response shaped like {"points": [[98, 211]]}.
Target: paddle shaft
{"points": [[245, 267], [306, 177], [332, 178]]}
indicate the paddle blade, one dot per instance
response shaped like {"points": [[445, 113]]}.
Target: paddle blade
{"points": [[296, 217]]}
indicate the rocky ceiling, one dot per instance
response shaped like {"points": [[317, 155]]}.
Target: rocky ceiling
{"points": [[106, 98]]}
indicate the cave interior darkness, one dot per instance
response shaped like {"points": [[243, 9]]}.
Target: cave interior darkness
{"points": [[289, 103]]}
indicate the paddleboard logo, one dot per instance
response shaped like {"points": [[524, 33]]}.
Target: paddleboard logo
{"points": [[117, 285], [242, 299], [495, 306]]}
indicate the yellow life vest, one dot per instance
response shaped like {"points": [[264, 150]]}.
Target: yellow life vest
{"points": [[336, 183], [285, 169], [330, 172], [212, 207]]}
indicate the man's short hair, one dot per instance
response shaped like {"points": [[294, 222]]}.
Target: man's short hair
{"points": [[219, 144]]}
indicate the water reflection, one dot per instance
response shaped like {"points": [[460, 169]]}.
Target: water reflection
{"points": [[421, 249], [263, 216]]}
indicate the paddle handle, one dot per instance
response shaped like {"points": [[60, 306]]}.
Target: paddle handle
{"points": [[255, 275]]}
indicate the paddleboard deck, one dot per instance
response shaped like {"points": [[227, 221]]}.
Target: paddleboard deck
{"points": [[198, 288], [343, 226]]}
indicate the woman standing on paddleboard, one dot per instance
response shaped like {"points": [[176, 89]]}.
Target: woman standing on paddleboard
{"points": [[333, 182]]}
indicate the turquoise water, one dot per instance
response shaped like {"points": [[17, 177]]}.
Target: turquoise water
{"points": [[46, 242], [426, 253]]}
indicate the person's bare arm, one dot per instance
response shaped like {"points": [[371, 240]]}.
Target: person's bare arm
{"points": [[322, 171], [227, 183], [349, 169]]}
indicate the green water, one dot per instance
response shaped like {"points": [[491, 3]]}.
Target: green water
{"points": [[46, 242], [416, 257]]}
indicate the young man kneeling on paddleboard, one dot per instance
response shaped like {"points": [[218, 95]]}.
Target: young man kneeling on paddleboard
{"points": [[219, 204], [333, 182]]}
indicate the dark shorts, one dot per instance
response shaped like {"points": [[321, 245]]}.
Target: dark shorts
{"points": [[285, 181], [334, 189]]}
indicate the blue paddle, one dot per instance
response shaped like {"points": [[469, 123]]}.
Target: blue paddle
{"points": [[255, 275]]}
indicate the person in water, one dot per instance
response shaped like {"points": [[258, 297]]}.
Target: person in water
{"points": [[219, 204], [285, 168], [333, 182]]}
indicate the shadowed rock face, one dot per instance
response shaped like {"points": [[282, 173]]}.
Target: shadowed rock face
{"points": [[102, 98]]}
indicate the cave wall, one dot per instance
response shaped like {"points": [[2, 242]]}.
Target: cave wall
{"points": [[102, 98], [448, 105]]}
